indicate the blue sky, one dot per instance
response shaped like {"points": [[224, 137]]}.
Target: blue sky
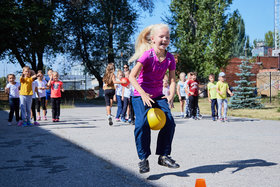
{"points": [[258, 16]]}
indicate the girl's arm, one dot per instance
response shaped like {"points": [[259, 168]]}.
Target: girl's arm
{"points": [[122, 93], [62, 89], [36, 90], [34, 77], [49, 83], [178, 92], [118, 82], [229, 92], [7, 90], [146, 98], [208, 93], [172, 85]]}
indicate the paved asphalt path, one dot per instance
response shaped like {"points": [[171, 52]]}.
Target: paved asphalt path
{"points": [[83, 150]]}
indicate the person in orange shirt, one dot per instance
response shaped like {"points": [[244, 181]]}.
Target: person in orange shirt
{"points": [[56, 89]]}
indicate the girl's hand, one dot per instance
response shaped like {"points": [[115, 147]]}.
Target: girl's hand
{"points": [[146, 98], [191, 93], [180, 98], [231, 94], [209, 100], [169, 100]]}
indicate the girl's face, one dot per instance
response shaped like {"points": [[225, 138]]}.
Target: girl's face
{"points": [[194, 77], [120, 75], [11, 79], [55, 77], [40, 76], [211, 78], [182, 77], [161, 38], [165, 84], [26, 72]]}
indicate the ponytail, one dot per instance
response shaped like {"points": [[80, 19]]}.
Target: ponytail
{"points": [[144, 41]]}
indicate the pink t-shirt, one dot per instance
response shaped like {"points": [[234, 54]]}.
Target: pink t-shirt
{"points": [[153, 71], [56, 89]]}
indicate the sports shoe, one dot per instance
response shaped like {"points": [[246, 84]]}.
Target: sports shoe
{"points": [[123, 119], [24, 124], [225, 119], [36, 123], [29, 123], [57, 120], [144, 166], [53, 120], [167, 161], [19, 123], [129, 120], [213, 118], [45, 118], [110, 120], [221, 119], [199, 117], [9, 123], [117, 119]]}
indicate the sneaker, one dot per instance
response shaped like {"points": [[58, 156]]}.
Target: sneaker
{"points": [[110, 120], [9, 123], [225, 119], [213, 118], [24, 124], [19, 123], [29, 123], [39, 118], [45, 118], [36, 123], [117, 119], [129, 121], [53, 120], [57, 120], [221, 119], [199, 117], [167, 161], [123, 119], [144, 166]]}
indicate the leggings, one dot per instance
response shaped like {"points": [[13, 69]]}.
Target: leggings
{"points": [[43, 102], [33, 108]]}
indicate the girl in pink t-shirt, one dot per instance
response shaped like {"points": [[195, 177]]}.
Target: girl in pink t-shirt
{"points": [[147, 78], [56, 89]]}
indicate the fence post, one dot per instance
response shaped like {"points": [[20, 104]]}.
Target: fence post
{"points": [[269, 87]]}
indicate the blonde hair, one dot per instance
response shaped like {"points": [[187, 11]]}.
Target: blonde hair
{"points": [[55, 73], [108, 77], [25, 68], [144, 41]]}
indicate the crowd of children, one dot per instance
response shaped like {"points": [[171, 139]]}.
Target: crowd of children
{"points": [[30, 94]]}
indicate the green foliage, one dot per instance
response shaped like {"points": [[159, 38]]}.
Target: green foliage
{"points": [[203, 34], [27, 31], [244, 92], [99, 32], [3, 82], [240, 38], [269, 39]]}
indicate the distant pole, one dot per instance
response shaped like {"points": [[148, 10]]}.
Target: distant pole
{"points": [[85, 84], [269, 87]]}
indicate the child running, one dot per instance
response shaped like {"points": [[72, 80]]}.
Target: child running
{"points": [[181, 92], [187, 109], [118, 95], [152, 63], [42, 87], [12, 88], [56, 89], [109, 80], [222, 90], [212, 96], [26, 94]]}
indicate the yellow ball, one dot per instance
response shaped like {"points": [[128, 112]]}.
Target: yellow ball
{"points": [[156, 118]]}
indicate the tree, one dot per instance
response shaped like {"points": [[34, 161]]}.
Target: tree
{"points": [[269, 39], [98, 32], [240, 38], [244, 92], [248, 47], [27, 31], [203, 34]]}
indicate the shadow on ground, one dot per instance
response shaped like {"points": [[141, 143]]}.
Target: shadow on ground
{"points": [[231, 119], [32, 156], [237, 165]]}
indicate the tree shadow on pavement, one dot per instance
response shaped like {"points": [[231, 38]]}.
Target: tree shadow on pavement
{"points": [[237, 165], [32, 156]]}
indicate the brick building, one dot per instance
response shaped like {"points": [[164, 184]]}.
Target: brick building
{"points": [[262, 64]]}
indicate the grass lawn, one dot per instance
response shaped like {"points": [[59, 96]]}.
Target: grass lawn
{"points": [[269, 112]]}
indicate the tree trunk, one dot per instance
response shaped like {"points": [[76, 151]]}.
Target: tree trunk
{"points": [[40, 61]]}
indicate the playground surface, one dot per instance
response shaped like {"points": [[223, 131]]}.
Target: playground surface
{"points": [[83, 150]]}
